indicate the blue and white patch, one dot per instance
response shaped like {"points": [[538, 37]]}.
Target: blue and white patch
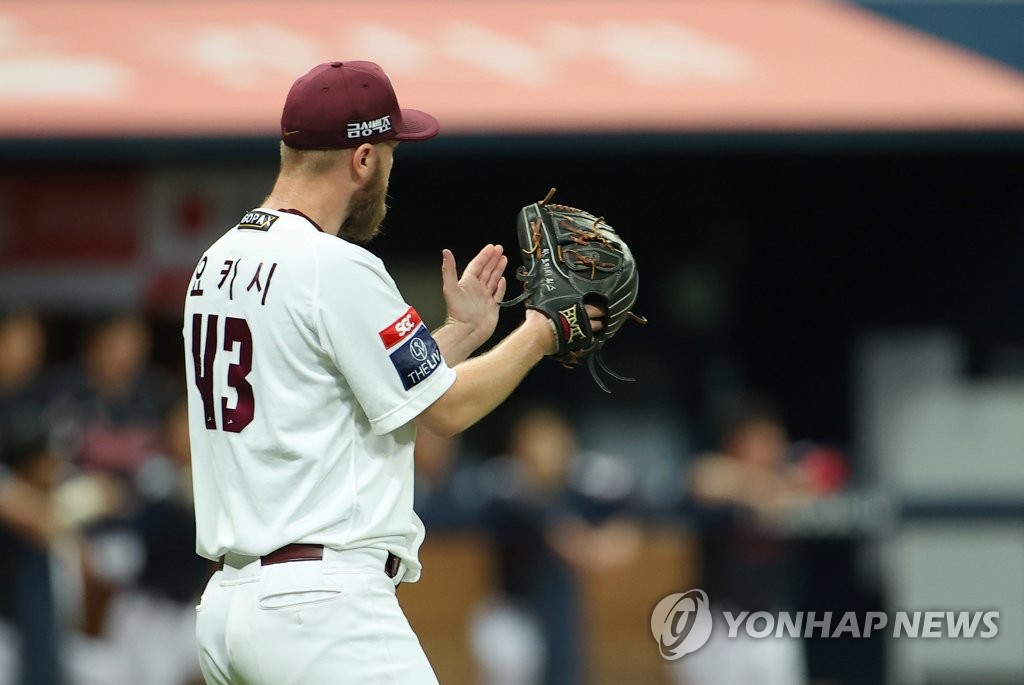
{"points": [[417, 358]]}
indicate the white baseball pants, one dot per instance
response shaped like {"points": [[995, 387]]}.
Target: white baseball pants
{"points": [[335, 621]]}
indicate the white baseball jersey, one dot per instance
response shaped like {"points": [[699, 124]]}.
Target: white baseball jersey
{"points": [[305, 368]]}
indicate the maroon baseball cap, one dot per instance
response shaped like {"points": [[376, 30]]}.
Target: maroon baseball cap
{"points": [[345, 104]]}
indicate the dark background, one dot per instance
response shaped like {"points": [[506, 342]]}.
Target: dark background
{"points": [[796, 247], [763, 258]]}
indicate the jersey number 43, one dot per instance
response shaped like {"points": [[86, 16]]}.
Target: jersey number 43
{"points": [[204, 352]]}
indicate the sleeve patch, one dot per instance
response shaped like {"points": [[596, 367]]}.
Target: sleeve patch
{"points": [[417, 358], [400, 328]]}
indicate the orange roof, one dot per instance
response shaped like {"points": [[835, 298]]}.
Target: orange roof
{"points": [[129, 68]]}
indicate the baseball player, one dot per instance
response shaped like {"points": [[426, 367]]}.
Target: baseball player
{"points": [[309, 376]]}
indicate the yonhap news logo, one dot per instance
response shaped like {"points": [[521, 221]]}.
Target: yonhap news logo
{"points": [[681, 623]]}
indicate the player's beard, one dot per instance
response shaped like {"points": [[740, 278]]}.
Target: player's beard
{"points": [[367, 210]]}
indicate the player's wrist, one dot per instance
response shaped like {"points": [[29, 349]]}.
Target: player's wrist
{"points": [[542, 330], [474, 335]]}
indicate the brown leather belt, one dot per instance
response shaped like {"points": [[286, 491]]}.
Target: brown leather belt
{"points": [[294, 552], [301, 552]]}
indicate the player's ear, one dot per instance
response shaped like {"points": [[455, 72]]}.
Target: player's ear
{"points": [[364, 163]]}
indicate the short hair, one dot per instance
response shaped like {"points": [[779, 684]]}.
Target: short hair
{"points": [[310, 162]]}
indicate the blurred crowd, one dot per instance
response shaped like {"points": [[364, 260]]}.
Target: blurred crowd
{"points": [[556, 511], [98, 570], [99, 577]]}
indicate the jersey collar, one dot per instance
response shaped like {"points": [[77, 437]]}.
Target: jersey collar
{"points": [[298, 213]]}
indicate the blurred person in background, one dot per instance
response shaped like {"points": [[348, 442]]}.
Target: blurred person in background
{"points": [[29, 646], [27, 520], [22, 351], [448, 494], [45, 568], [554, 512], [57, 583], [105, 410], [736, 493], [152, 617], [107, 404]]}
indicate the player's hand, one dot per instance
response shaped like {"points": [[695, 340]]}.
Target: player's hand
{"points": [[472, 300], [542, 322], [597, 316]]}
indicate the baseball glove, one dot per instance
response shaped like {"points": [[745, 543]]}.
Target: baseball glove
{"points": [[572, 258]]}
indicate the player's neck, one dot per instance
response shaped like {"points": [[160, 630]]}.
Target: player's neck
{"points": [[318, 198]]}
